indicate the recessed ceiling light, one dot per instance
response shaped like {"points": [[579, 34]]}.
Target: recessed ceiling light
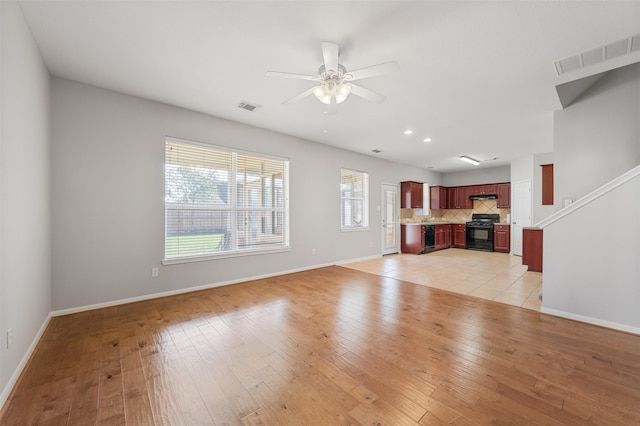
{"points": [[469, 160], [408, 132], [426, 140]]}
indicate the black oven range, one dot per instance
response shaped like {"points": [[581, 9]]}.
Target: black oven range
{"points": [[480, 231]]}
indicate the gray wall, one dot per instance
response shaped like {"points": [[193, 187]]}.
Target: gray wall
{"points": [[477, 176], [108, 197], [25, 226], [540, 212], [596, 283], [528, 168], [522, 169], [597, 138]]}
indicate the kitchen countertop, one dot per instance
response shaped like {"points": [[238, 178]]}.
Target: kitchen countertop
{"points": [[446, 223], [434, 223]]}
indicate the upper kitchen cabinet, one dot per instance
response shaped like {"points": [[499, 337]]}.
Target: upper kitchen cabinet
{"points": [[489, 189], [458, 198], [438, 197], [504, 196], [411, 195]]}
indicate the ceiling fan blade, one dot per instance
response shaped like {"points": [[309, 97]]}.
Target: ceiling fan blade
{"points": [[300, 96], [330, 56], [291, 75], [367, 94], [372, 71]]}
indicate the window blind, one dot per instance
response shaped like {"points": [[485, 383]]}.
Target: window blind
{"points": [[354, 199], [221, 201]]}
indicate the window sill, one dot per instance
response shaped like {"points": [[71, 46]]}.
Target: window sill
{"points": [[355, 229], [208, 257]]}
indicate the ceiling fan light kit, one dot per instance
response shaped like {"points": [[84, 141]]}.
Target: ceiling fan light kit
{"points": [[335, 82], [340, 91]]}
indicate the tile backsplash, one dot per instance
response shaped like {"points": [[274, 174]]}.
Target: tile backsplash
{"points": [[456, 215]]}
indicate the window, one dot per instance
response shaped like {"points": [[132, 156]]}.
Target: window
{"points": [[354, 200], [223, 202]]}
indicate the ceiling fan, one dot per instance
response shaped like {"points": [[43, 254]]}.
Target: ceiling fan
{"points": [[336, 83]]}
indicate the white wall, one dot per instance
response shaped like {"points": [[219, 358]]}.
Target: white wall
{"points": [[588, 275], [477, 176], [540, 212], [595, 277], [528, 168], [597, 138], [108, 197], [25, 225], [522, 169]]}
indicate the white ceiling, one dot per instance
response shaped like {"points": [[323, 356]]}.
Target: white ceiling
{"points": [[476, 77]]}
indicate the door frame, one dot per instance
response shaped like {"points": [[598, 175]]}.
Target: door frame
{"points": [[528, 214], [383, 210]]}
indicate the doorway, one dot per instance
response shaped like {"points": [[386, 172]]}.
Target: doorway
{"points": [[520, 213], [390, 219]]}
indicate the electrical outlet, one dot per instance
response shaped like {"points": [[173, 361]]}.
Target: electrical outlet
{"points": [[313, 251], [9, 338], [154, 272]]}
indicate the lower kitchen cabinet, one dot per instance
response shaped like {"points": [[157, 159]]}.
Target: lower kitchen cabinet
{"points": [[459, 235], [532, 249], [502, 238], [443, 237], [412, 239]]}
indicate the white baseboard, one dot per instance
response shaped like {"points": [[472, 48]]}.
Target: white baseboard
{"points": [[359, 259], [25, 359], [23, 362], [590, 320], [197, 288]]}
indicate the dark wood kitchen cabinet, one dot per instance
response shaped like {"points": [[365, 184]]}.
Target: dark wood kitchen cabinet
{"points": [[547, 184], [412, 239], [442, 237], [488, 189], [447, 236], [532, 249], [504, 195], [411, 193], [458, 198], [438, 197], [502, 238], [491, 189], [459, 235], [452, 194]]}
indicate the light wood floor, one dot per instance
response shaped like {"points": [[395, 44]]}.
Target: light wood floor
{"points": [[494, 276], [332, 346]]}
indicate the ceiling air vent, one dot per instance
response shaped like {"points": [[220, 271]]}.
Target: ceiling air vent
{"points": [[249, 106], [600, 54]]}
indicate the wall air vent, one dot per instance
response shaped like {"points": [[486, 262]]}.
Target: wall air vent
{"points": [[249, 106], [601, 54]]}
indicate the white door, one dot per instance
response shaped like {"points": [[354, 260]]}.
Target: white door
{"points": [[520, 213], [390, 219]]}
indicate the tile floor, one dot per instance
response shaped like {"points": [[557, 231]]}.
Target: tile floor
{"points": [[499, 277]]}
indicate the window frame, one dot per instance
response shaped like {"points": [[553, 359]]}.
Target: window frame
{"points": [[364, 226], [235, 206]]}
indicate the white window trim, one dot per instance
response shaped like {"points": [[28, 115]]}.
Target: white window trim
{"points": [[235, 253], [365, 203]]}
